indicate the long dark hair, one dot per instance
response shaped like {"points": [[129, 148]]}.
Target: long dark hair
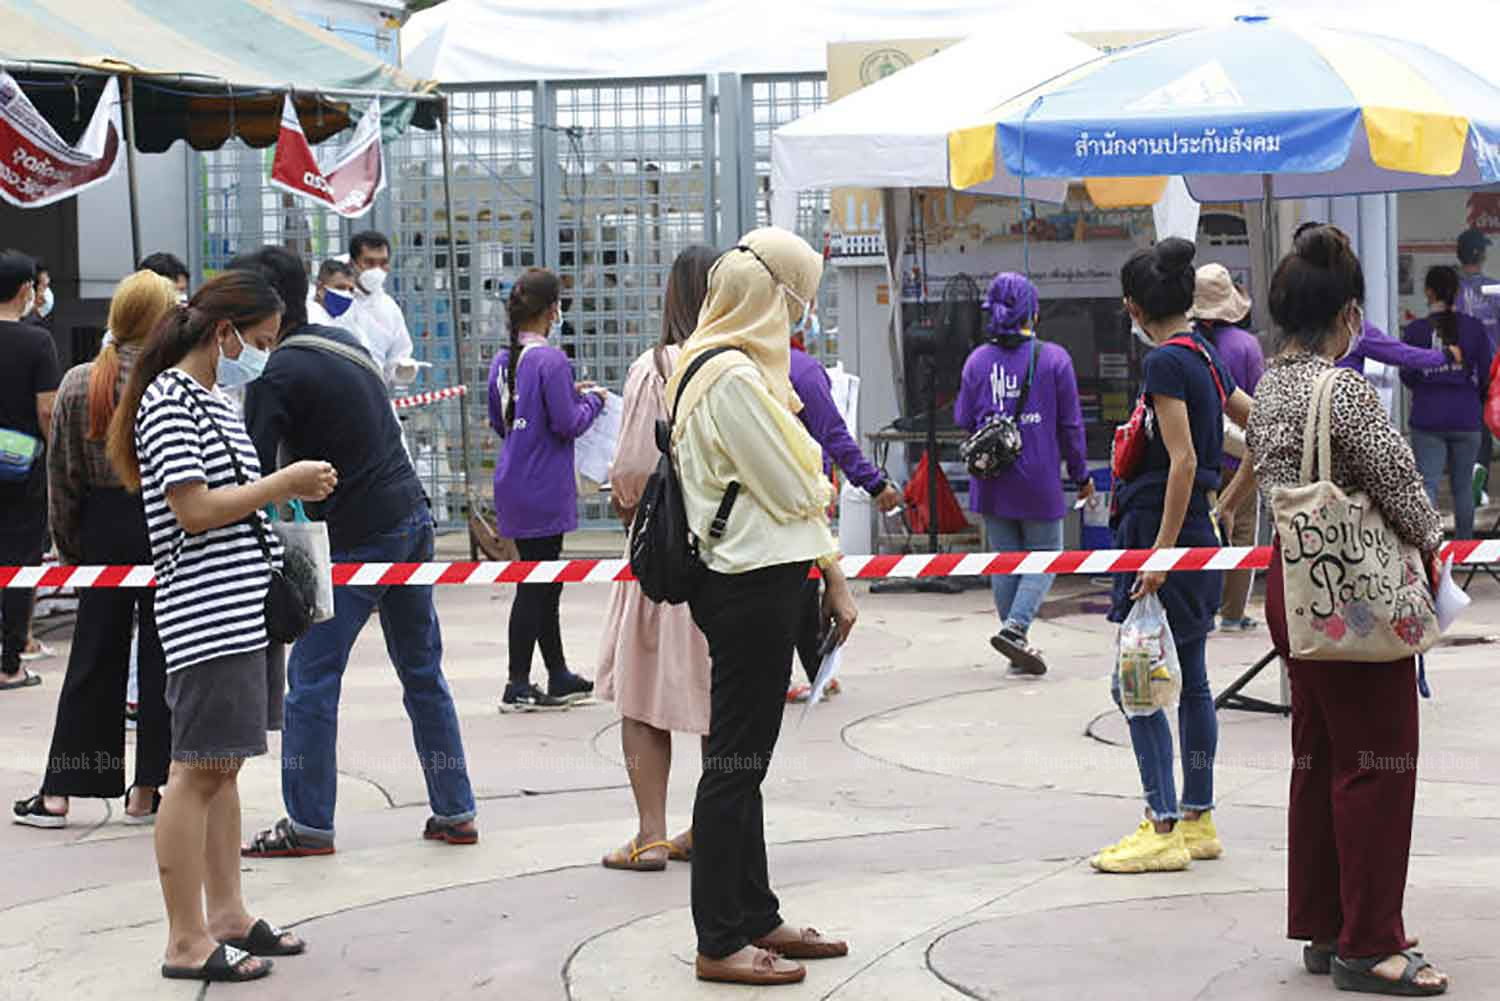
{"points": [[533, 294], [1442, 282], [242, 297], [687, 287]]}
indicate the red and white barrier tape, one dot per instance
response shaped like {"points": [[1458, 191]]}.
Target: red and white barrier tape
{"points": [[425, 399], [1087, 562]]}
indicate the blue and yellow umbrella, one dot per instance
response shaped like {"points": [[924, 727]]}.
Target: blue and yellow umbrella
{"points": [[1318, 110]]}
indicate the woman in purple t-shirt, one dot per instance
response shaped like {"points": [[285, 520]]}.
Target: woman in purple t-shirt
{"points": [[539, 410]]}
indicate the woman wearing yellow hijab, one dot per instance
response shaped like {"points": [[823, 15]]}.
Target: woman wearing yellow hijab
{"points": [[736, 435]]}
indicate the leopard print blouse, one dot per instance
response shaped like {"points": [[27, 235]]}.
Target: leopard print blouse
{"points": [[1369, 453]]}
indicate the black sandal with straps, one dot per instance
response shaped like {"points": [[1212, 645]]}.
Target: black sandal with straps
{"points": [[1359, 975]]}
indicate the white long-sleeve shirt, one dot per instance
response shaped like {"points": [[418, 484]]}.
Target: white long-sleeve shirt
{"points": [[377, 321]]}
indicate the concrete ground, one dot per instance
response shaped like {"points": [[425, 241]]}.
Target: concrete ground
{"points": [[936, 813]]}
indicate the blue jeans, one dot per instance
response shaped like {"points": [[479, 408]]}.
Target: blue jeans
{"points": [[315, 673], [1198, 728], [1455, 451], [1018, 597]]}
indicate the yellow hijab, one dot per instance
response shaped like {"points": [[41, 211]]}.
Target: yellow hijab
{"points": [[748, 308]]}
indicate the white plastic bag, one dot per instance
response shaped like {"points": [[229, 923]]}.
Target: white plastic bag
{"points": [[309, 539], [1147, 674]]}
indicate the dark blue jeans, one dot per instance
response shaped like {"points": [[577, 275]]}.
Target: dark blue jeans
{"points": [[1197, 731], [315, 673]]}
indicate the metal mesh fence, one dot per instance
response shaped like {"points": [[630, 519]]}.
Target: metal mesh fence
{"points": [[603, 181]]}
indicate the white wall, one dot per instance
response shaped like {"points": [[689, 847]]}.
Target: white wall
{"points": [[105, 254]]}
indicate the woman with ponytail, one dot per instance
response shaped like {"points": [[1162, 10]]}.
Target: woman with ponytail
{"points": [[1032, 382], [1169, 502], [95, 522], [1447, 402], [539, 410], [177, 440]]}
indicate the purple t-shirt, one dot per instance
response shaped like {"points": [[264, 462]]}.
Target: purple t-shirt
{"points": [[536, 491], [1472, 301], [1380, 346], [1051, 427], [1241, 353], [822, 419], [1449, 397]]}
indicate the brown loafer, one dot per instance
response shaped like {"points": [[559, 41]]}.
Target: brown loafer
{"points": [[767, 969], [808, 945]]}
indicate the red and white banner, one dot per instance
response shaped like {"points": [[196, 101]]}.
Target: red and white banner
{"points": [[36, 167], [427, 399], [350, 183]]}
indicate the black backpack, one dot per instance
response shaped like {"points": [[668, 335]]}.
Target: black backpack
{"points": [[663, 550]]}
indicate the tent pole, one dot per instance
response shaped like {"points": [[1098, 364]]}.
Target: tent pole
{"points": [[128, 85], [456, 322], [1271, 235]]}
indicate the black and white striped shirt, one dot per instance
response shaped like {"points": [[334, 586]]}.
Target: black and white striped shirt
{"points": [[210, 588]]}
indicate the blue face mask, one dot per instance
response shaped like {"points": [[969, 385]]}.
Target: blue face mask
{"points": [[336, 303], [809, 328], [236, 372]]}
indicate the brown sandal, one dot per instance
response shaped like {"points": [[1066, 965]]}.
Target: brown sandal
{"points": [[768, 969], [632, 861]]}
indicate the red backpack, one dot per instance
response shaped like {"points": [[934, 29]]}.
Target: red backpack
{"points": [[1128, 453]]}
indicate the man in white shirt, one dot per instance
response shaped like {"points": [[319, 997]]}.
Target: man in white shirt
{"points": [[375, 316], [332, 296]]}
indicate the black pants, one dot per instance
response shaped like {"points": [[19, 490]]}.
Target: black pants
{"points": [[751, 622], [23, 534], [88, 739], [810, 628], [535, 619]]}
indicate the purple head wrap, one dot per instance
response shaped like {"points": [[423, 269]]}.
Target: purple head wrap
{"points": [[1010, 304]]}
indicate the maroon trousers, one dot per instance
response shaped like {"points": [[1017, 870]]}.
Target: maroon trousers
{"points": [[1354, 785]]}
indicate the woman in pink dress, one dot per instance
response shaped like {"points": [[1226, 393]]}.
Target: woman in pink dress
{"points": [[654, 663]]}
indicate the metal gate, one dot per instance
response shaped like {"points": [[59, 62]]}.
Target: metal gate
{"points": [[604, 181]]}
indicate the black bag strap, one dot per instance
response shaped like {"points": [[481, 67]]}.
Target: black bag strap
{"points": [[732, 492], [328, 345], [190, 389], [1026, 385]]}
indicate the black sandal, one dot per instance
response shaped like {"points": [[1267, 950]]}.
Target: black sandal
{"points": [[283, 842], [1358, 975], [225, 965], [33, 812], [1317, 960], [265, 939]]}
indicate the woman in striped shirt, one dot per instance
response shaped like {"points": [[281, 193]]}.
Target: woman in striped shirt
{"points": [[177, 439]]}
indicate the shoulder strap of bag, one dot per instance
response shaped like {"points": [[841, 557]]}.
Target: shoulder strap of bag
{"points": [[234, 462], [1191, 343], [1317, 436], [692, 370], [329, 346], [1026, 385]]}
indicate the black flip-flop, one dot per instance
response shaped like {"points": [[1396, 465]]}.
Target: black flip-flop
{"points": [[1358, 975], [26, 680], [224, 966], [264, 939]]}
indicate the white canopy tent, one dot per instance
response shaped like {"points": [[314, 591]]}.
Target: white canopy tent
{"points": [[490, 41]]}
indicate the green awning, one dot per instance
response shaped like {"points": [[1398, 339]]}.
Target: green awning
{"points": [[203, 70]]}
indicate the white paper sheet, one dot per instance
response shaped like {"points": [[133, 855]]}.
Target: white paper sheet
{"points": [[595, 448], [827, 671], [1451, 599]]}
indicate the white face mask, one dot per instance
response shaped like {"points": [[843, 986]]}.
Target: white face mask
{"points": [[48, 301], [1356, 333], [1140, 333], [372, 281]]}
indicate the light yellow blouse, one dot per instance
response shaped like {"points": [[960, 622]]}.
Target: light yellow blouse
{"points": [[740, 433]]}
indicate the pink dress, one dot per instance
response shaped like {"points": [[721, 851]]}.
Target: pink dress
{"points": [[654, 663]]}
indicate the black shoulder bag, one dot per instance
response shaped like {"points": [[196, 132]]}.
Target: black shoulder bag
{"points": [[663, 550], [996, 446], [291, 595]]}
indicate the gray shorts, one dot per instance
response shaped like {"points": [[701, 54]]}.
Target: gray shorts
{"points": [[222, 708]]}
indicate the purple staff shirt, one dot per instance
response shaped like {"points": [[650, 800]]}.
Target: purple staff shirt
{"points": [[1051, 427], [1241, 353], [536, 489], [1382, 347], [1472, 301], [822, 419], [1449, 397]]}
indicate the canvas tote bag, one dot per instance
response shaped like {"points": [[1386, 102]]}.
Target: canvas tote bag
{"points": [[1354, 590]]}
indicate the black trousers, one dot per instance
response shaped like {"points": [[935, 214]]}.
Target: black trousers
{"points": [[23, 535], [535, 616], [810, 628], [88, 740], [751, 621]]}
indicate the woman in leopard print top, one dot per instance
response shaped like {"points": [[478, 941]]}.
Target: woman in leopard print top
{"points": [[1350, 812], [1369, 453]]}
